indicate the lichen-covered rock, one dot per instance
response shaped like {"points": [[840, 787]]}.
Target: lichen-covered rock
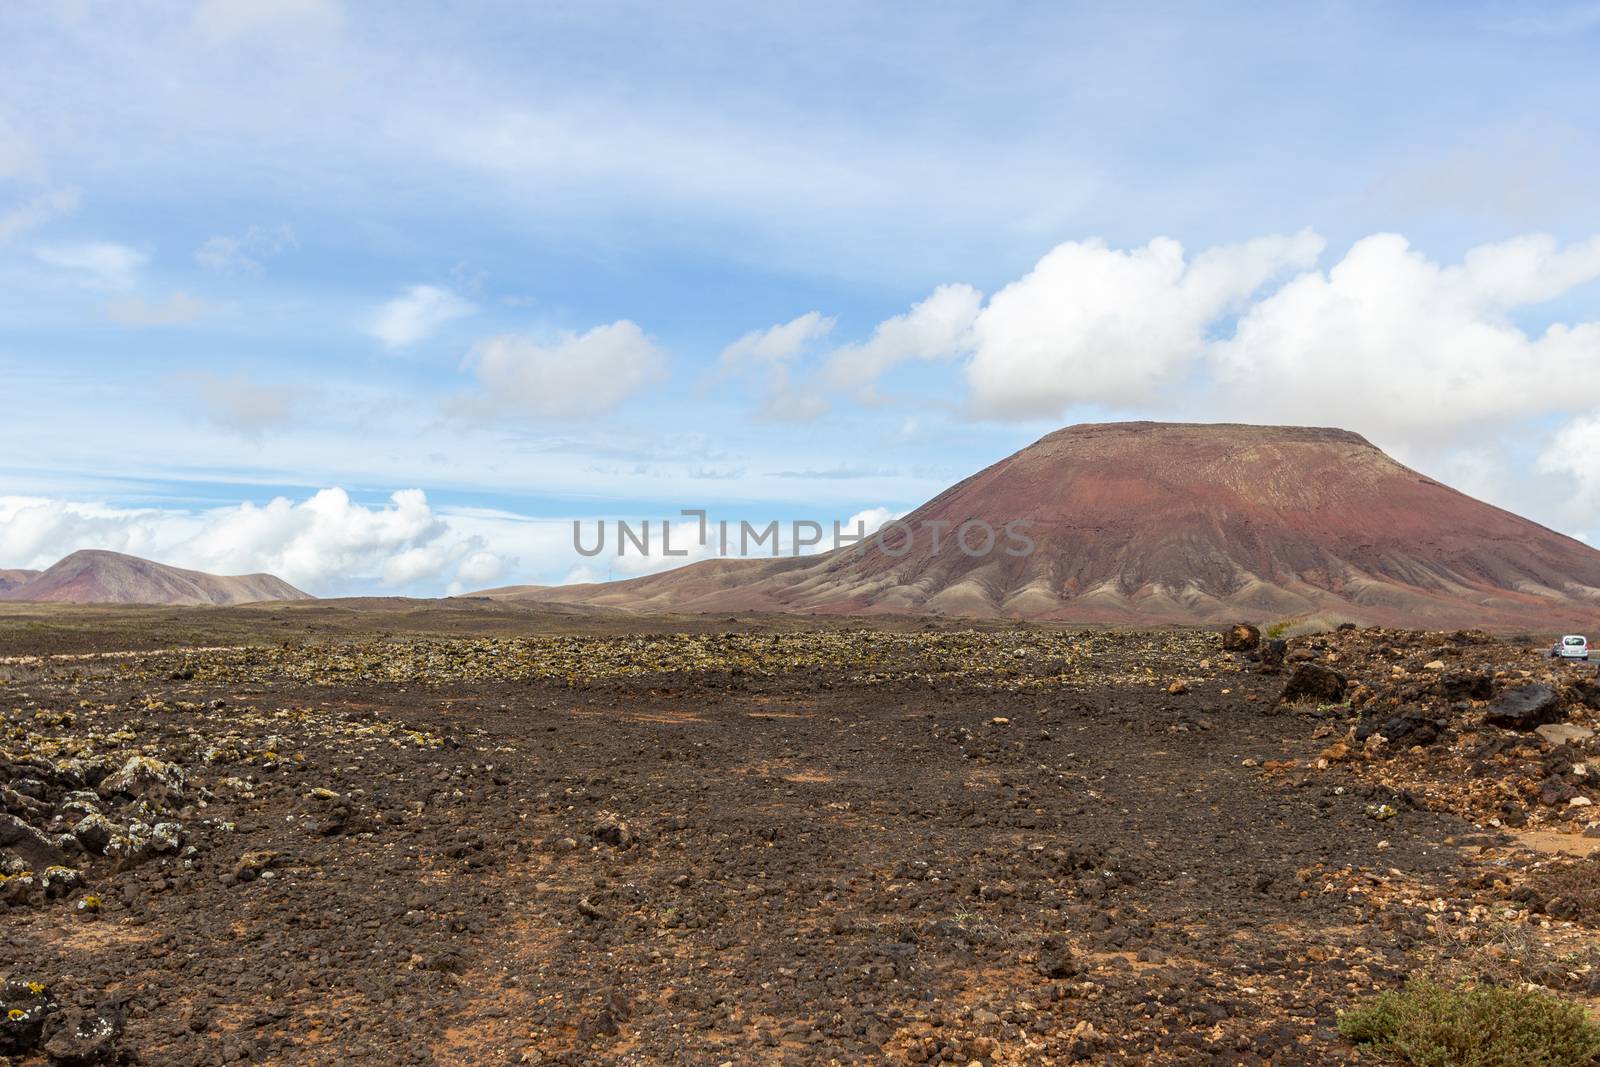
{"points": [[147, 778], [253, 865], [58, 882], [94, 833], [25, 1006], [83, 1038], [37, 848], [19, 888]]}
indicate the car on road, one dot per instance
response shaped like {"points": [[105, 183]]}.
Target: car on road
{"points": [[1572, 646]]}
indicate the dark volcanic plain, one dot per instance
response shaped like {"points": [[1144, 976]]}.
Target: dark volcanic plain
{"points": [[760, 841]]}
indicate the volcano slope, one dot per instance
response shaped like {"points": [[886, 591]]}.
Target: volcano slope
{"points": [[1157, 522], [1011, 846], [93, 576]]}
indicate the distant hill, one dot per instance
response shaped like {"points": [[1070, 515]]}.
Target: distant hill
{"points": [[96, 577], [13, 578], [1168, 522]]}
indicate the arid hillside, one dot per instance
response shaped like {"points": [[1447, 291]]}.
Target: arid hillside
{"points": [[1158, 522], [96, 577]]}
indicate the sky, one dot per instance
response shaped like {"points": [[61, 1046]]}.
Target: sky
{"points": [[384, 298]]}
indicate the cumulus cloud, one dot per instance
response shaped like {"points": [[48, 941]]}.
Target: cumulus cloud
{"points": [[1092, 324], [327, 539], [780, 343], [244, 253], [940, 327], [776, 348], [571, 377], [1388, 339], [96, 264], [417, 314], [173, 311], [1574, 451]]}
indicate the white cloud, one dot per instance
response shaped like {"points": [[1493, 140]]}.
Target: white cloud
{"points": [[175, 310], [324, 540], [780, 343], [1574, 451], [244, 253], [416, 314], [248, 407], [1391, 341], [776, 348], [574, 376], [480, 568], [35, 212], [97, 264], [870, 520], [940, 327], [1092, 324]]}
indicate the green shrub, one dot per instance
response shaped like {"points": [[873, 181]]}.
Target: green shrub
{"points": [[1431, 1025], [1277, 629]]}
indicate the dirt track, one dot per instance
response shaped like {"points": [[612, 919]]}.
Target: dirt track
{"points": [[909, 849]]}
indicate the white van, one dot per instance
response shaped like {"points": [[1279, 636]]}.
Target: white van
{"points": [[1573, 647]]}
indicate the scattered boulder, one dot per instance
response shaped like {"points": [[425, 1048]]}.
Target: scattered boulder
{"points": [[1240, 637], [613, 830], [24, 1008], [1312, 681], [1055, 958], [1564, 733], [1585, 692], [1525, 708], [83, 1038], [59, 882], [1465, 685], [94, 833], [253, 865], [329, 813], [1405, 730], [147, 778], [38, 849], [1272, 653]]}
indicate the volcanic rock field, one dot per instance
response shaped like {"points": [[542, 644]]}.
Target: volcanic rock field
{"points": [[932, 844]]}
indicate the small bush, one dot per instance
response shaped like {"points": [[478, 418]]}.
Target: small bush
{"points": [[1431, 1025]]}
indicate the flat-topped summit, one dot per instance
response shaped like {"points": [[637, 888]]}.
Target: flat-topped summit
{"points": [[1180, 522]]}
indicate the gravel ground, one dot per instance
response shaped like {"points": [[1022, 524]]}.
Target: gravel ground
{"points": [[839, 846]]}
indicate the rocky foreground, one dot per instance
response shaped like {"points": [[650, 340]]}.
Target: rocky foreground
{"points": [[1023, 846]]}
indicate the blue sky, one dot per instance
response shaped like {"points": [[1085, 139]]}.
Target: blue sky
{"points": [[556, 261]]}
